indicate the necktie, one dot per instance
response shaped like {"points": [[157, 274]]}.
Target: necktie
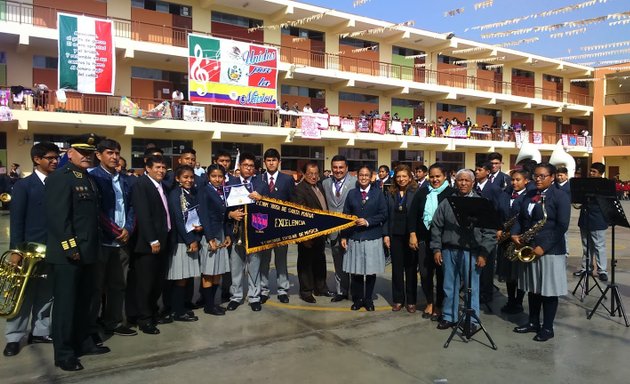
{"points": [[165, 204], [478, 189], [338, 186], [363, 195], [514, 195], [491, 178], [271, 184], [220, 192], [44, 181]]}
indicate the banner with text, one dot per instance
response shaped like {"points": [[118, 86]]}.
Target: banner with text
{"points": [[228, 72], [86, 56], [271, 223]]}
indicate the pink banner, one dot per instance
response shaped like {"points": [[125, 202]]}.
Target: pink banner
{"points": [[538, 137], [348, 125], [310, 128], [379, 126]]}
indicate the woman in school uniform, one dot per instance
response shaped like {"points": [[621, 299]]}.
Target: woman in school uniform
{"points": [[364, 242]]}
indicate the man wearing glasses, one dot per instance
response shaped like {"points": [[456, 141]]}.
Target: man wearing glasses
{"points": [[28, 224], [497, 177]]}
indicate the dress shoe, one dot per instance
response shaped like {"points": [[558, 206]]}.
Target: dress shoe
{"points": [[426, 315], [603, 277], [543, 335], [166, 319], [72, 364], [356, 305], [225, 299], [149, 329], [445, 324], [39, 339], [369, 307], [309, 299], [186, 318], [337, 298], [96, 338], [263, 299], [121, 330], [233, 305], [284, 298], [11, 349], [97, 350], [436, 317], [411, 308], [397, 307], [325, 294], [527, 328], [215, 311], [256, 306]]}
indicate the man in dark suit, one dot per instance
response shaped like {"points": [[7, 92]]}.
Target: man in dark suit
{"points": [[117, 222], [496, 176], [421, 176], [187, 156], [72, 248], [277, 185], [562, 180], [153, 225], [311, 262], [27, 226]]}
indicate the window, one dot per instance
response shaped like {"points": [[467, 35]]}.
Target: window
{"points": [[239, 21], [451, 108], [522, 73], [44, 62], [171, 150], [449, 60], [358, 98], [234, 148], [405, 51], [292, 90], [301, 32], [295, 156], [555, 79], [412, 158], [356, 43], [360, 156], [454, 161], [163, 7]]}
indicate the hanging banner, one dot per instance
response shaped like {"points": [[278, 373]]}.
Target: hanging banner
{"points": [[538, 137], [129, 108], [86, 55], [348, 125], [271, 223], [194, 113], [228, 72], [310, 128], [396, 128], [379, 126]]}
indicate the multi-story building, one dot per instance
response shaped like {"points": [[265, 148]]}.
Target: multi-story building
{"points": [[404, 70]]}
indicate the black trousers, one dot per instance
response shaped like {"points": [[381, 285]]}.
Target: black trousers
{"points": [[363, 289], [311, 268], [486, 279], [73, 288], [428, 269], [404, 270], [144, 287], [111, 281]]}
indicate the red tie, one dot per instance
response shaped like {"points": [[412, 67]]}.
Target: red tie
{"points": [[271, 184], [515, 195], [363, 195], [220, 192]]}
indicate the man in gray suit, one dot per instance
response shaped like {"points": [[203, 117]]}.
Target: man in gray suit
{"points": [[336, 189]]}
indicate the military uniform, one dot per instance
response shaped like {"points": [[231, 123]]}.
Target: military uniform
{"points": [[72, 215]]}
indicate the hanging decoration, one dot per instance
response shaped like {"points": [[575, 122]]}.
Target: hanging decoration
{"points": [[358, 3], [605, 46], [454, 12], [470, 50], [544, 28], [518, 42], [494, 66], [476, 61], [605, 62], [596, 54], [292, 23], [619, 22], [416, 56], [483, 4], [586, 80], [572, 32], [371, 48], [379, 30]]}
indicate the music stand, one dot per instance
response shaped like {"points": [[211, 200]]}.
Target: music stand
{"points": [[470, 213], [585, 191], [613, 211]]}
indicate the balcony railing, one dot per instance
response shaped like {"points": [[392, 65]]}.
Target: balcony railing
{"points": [[617, 98], [161, 34], [617, 140]]}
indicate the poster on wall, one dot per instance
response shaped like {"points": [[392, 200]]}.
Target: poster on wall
{"points": [[194, 113], [228, 72], [310, 128], [86, 55]]}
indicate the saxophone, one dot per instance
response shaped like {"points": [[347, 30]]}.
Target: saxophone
{"points": [[526, 253], [506, 229], [15, 274]]}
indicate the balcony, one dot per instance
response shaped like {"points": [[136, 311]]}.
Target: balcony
{"points": [[617, 140], [617, 98], [159, 34]]}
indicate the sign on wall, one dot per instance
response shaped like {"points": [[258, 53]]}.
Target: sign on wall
{"points": [[229, 72], [86, 57]]}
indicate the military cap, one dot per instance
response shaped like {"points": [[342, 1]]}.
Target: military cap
{"points": [[86, 142]]}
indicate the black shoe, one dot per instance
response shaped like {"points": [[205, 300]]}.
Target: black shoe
{"points": [[233, 305], [215, 311], [186, 318], [445, 324], [284, 298], [200, 303], [263, 299], [96, 338], [256, 306], [325, 294], [309, 299], [72, 364], [97, 350], [369, 307], [543, 335], [149, 329], [356, 305], [426, 315], [192, 306], [39, 339], [11, 349], [166, 319], [121, 330], [338, 298], [225, 299], [603, 276], [527, 328]]}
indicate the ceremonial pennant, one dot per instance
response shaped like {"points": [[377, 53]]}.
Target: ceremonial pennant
{"points": [[270, 223]]}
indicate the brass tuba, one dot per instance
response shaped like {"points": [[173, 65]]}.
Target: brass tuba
{"points": [[17, 266], [5, 198], [526, 253]]}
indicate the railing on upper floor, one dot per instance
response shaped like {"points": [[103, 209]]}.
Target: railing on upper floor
{"points": [[161, 34], [617, 140], [617, 98]]}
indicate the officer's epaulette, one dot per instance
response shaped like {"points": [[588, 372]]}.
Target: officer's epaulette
{"points": [[78, 174]]}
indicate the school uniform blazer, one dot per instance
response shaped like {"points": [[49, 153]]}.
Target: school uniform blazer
{"points": [[304, 195], [170, 183], [179, 234], [566, 187], [283, 186], [374, 211], [108, 204], [335, 204], [415, 217], [213, 214], [150, 215], [551, 237], [491, 192], [502, 180], [505, 211], [28, 208], [392, 207]]}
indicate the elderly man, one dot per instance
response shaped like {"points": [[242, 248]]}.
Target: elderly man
{"points": [[452, 248]]}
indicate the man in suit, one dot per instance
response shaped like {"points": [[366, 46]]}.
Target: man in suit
{"points": [[336, 189], [421, 176], [117, 222], [496, 176], [242, 264], [26, 225], [148, 198], [562, 180], [72, 248], [277, 185], [187, 156], [311, 262]]}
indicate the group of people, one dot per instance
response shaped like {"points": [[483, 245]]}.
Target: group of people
{"points": [[119, 246]]}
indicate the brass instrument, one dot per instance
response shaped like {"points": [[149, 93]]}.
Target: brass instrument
{"points": [[15, 274], [5, 198], [506, 229], [526, 253]]}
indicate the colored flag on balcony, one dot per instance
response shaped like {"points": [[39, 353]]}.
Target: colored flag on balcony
{"points": [[86, 54], [228, 72]]}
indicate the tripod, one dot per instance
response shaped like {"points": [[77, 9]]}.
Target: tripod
{"points": [[583, 282], [616, 305], [468, 313]]}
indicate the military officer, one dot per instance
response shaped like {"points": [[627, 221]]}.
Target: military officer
{"points": [[72, 250]]}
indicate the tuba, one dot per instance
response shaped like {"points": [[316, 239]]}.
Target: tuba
{"points": [[5, 198], [560, 158], [528, 152], [15, 274], [526, 253]]}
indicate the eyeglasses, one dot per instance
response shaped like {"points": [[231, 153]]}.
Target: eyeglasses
{"points": [[247, 165], [540, 177], [51, 158]]}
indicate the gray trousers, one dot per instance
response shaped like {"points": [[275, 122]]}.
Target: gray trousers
{"points": [[282, 272], [111, 281], [38, 299], [598, 248], [244, 266], [342, 279]]}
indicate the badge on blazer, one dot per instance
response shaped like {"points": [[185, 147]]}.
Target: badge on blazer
{"points": [[77, 174]]}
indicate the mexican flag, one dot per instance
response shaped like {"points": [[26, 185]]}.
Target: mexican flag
{"points": [[86, 54]]}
